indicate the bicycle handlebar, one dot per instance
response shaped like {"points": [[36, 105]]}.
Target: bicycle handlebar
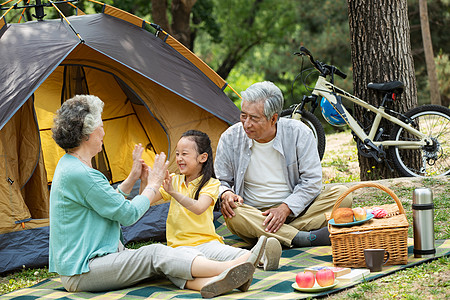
{"points": [[324, 69]]}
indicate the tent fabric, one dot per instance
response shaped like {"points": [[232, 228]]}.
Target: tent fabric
{"points": [[27, 60], [152, 94], [23, 175], [152, 226], [194, 59], [219, 81], [46, 43], [27, 248]]}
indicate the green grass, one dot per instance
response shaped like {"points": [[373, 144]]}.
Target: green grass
{"points": [[23, 278]]}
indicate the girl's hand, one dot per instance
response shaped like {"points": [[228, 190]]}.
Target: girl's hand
{"points": [[144, 173], [167, 183], [144, 177]]}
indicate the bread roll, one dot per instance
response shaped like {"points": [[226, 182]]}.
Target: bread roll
{"points": [[343, 215], [360, 213]]}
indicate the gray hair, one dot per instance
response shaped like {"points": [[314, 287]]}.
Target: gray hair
{"points": [[76, 119], [269, 93]]}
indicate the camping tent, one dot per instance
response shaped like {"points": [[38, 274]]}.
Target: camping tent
{"points": [[154, 89]]}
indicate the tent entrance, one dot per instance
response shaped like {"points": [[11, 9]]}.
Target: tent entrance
{"points": [[126, 118]]}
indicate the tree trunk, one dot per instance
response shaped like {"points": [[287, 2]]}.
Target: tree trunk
{"points": [[429, 56], [159, 15], [181, 18], [180, 11], [381, 51]]}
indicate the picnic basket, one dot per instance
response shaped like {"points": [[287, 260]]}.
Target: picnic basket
{"points": [[390, 233]]}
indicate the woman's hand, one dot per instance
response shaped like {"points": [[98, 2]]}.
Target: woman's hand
{"points": [[136, 169], [155, 178], [158, 173], [137, 152]]}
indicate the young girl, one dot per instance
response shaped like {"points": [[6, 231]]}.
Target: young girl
{"points": [[193, 194]]}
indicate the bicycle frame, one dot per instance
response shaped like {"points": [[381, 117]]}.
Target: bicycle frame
{"points": [[326, 89]]}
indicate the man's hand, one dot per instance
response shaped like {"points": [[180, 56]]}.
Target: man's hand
{"points": [[276, 217], [230, 200]]}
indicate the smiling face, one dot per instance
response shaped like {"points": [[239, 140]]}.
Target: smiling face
{"points": [[256, 126], [189, 161]]}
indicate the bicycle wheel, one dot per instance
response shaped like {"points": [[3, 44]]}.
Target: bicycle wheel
{"points": [[430, 160], [314, 124]]}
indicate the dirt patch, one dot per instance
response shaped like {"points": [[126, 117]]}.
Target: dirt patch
{"points": [[340, 160], [340, 166]]}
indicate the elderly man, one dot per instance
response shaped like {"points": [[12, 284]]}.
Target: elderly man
{"points": [[271, 177]]}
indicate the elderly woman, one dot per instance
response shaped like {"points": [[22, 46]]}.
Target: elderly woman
{"points": [[86, 213]]}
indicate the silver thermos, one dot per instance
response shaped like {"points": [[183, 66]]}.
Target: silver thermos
{"points": [[423, 223]]}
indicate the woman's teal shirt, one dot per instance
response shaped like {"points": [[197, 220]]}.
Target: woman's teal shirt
{"points": [[85, 216]]}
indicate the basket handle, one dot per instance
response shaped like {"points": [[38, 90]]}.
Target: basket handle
{"points": [[368, 184]]}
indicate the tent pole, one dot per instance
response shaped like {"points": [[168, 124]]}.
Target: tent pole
{"points": [[64, 17], [39, 9]]}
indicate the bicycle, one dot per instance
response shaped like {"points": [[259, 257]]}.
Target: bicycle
{"points": [[418, 143]]}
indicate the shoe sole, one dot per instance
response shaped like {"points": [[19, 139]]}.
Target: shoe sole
{"points": [[272, 254], [246, 286], [233, 278]]}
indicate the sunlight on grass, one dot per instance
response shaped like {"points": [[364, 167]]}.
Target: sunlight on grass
{"points": [[24, 278]]}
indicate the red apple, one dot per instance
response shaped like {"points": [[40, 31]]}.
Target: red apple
{"points": [[305, 279], [325, 277]]}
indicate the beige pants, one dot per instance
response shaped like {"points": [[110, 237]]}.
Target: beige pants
{"points": [[247, 223], [129, 266]]}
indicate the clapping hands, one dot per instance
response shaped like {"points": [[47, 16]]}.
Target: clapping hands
{"points": [[157, 174]]}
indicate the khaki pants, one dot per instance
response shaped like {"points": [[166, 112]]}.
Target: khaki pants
{"points": [[247, 223]]}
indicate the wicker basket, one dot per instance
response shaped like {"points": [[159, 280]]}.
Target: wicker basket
{"points": [[390, 233]]}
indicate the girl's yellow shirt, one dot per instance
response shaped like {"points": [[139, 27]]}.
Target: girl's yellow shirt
{"points": [[183, 227]]}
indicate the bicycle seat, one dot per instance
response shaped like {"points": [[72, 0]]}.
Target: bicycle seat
{"points": [[391, 86]]}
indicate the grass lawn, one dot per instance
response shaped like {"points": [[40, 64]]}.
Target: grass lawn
{"points": [[426, 281]]}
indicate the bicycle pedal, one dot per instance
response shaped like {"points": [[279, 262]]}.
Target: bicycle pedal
{"points": [[375, 152]]}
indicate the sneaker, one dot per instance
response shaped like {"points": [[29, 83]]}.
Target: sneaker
{"points": [[272, 254], [230, 279]]}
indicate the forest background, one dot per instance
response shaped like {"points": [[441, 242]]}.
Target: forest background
{"points": [[246, 41]]}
